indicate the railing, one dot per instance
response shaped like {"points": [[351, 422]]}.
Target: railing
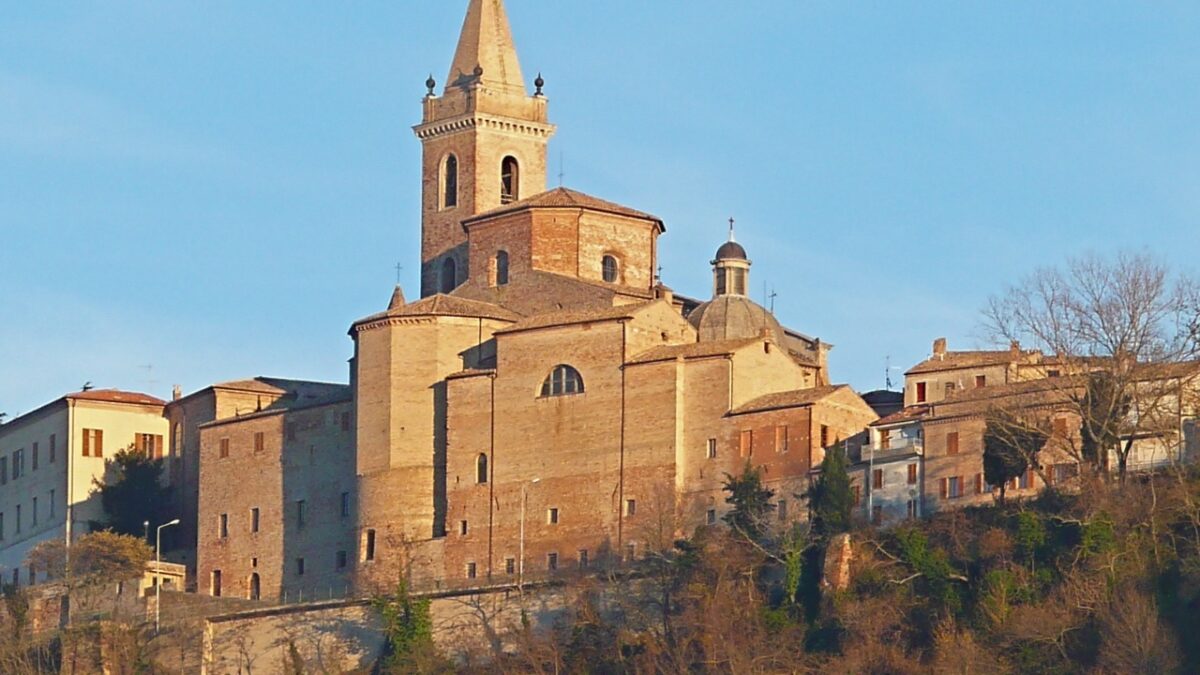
{"points": [[895, 448]]}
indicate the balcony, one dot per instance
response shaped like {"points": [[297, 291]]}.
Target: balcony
{"points": [[896, 447]]}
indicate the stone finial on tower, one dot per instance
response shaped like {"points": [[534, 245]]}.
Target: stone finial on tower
{"points": [[539, 83], [430, 84], [486, 51]]}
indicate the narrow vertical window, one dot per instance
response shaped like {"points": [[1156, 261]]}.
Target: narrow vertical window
{"points": [[369, 546], [712, 448], [450, 183], [551, 561], [341, 560], [53, 447], [300, 506], [471, 570], [781, 438], [610, 269], [299, 567], [259, 441], [35, 456], [447, 276], [552, 516], [216, 583], [223, 526], [510, 180], [921, 392], [254, 519], [501, 268], [952, 443], [630, 507], [481, 468], [583, 557], [345, 504], [223, 450], [912, 474], [462, 528], [746, 443], [510, 565]]}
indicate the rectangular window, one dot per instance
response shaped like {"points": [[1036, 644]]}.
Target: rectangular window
{"points": [[781, 438], [912, 474], [710, 517], [462, 528], [712, 448], [299, 567], [921, 393], [781, 509], [952, 443], [340, 560], [53, 447], [3, 470], [52, 503], [345, 504], [746, 443], [259, 441], [630, 507], [18, 527], [583, 557], [954, 487], [216, 583], [1, 527], [18, 463], [630, 552], [1052, 373], [877, 479], [93, 442], [224, 448], [949, 389], [552, 516], [824, 436], [35, 510], [300, 507], [978, 483], [150, 445], [35, 454], [510, 565], [254, 519], [223, 526], [369, 546], [551, 561], [885, 439], [471, 570], [980, 381]]}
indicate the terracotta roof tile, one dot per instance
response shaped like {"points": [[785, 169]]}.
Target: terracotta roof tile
{"points": [[562, 198], [968, 359], [115, 396], [787, 399], [571, 317], [693, 350], [912, 412], [444, 305]]}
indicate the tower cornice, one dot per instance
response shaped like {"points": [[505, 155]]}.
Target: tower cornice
{"points": [[469, 121]]}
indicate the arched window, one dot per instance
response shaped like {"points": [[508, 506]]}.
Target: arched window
{"points": [[510, 180], [481, 469], [610, 269], [447, 276], [450, 183], [562, 381], [501, 268], [255, 587]]}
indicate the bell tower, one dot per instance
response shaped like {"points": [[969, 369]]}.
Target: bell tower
{"points": [[484, 143]]}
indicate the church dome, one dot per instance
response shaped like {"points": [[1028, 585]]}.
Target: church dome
{"points": [[731, 250], [734, 317]]}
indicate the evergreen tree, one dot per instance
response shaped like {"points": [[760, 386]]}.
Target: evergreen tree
{"points": [[750, 500], [830, 500], [136, 494]]}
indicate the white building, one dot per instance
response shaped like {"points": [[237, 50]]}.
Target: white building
{"points": [[892, 465], [49, 459]]}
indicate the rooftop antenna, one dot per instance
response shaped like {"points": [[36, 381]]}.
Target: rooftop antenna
{"points": [[87, 386], [562, 164], [659, 274], [150, 381]]}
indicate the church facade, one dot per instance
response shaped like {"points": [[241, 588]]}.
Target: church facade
{"points": [[545, 403]]}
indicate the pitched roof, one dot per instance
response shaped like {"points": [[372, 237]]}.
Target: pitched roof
{"points": [[966, 359], [572, 317], [444, 305], [693, 350], [912, 412], [486, 42], [562, 197], [115, 396], [788, 399]]}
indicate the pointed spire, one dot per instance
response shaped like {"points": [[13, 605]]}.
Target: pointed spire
{"points": [[397, 299], [486, 45]]}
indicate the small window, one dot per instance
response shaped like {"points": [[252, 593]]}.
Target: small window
{"points": [[501, 268], [552, 516], [610, 269], [781, 438], [35, 512], [980, 381], [551, 561], [630, 552], [35, 456], [583, 557], [447, 276], [979, 483], [450, 182], [481, 467], [630, 507], [510, 565], [471, 570], [912, 474], [254, 513], [877, 479], [710, 517], [93, 444], [259, 441], [54, 447], [746, 443], [824, 436], [222, 525], [510, 180], [952, 443], [949, 389], [712, 448], [216, 583], [562, 381], [369, 546], [462, 528], [223, 451], [345, 504], [299, 567], [921, 392], [340, 561], [1053, 373], [301, 507]]}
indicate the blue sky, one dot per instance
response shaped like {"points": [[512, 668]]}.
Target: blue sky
{"points": [[219, 189]]}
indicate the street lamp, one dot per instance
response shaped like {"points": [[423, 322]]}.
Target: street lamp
{"points": [[158, 572], [521, 545]]}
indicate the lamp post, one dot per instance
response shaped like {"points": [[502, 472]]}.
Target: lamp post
{"points": [[158, 572], [521, 545]]}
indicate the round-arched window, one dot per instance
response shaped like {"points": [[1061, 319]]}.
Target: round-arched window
{"points": [[563, 380], [450, 182], [510, 180], [501, 268], [481, 468], [447, 276], [610, 269]]}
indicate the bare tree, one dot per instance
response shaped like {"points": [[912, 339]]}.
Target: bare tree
{"points": [[1124, 332]]}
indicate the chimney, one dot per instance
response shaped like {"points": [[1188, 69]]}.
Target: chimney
{"points": [[176, 393], [939, 348], [666, 294], [1014, 348]]}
